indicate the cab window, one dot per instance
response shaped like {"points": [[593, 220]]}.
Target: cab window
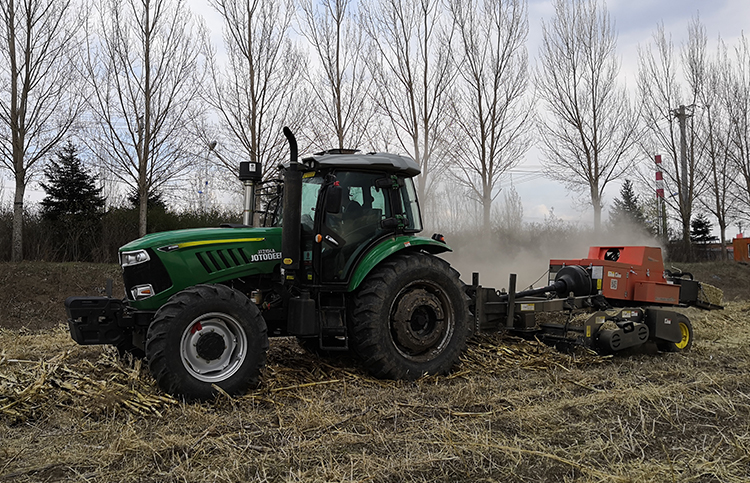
{"points": [[411, 207], [364, 206], [310, 191]]}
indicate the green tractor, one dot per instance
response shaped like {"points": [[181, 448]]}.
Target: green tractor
{"points": [[339, 265]]}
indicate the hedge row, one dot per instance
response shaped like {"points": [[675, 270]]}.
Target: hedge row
{"points": [[96, 240]]}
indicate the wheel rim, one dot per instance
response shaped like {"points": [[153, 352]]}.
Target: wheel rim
{"points": [[421, 321], [213, 347], [685, 336]]}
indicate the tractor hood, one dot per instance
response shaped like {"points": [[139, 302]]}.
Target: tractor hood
{"points": [[167, 241], [158, 265]]}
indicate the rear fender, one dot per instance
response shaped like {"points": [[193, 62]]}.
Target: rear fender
{"points": [[390, 247]]}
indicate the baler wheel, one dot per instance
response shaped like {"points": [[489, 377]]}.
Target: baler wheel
{"points": [[206, 336], [410, 317], [686, 328]]}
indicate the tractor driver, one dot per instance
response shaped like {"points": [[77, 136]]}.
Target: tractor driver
{"points": [[349, 207], [357, 224], [343, 224]]}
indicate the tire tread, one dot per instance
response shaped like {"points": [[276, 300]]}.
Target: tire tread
{"points": [[366, 332], [162, 361]]}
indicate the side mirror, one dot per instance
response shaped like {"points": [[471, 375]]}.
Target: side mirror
{"points": [[391, 182], [393, 223], [334, 194]]}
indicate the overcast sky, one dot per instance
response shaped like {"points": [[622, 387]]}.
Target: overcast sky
{"points": [[635, 21]]}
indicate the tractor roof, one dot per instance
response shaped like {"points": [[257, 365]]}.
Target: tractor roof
{"points": [[392, 163]]}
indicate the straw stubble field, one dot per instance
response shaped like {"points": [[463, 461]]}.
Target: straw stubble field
{"points": [[513, 410]]}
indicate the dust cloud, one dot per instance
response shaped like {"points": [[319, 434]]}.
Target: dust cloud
{"points": [[496, 255]]}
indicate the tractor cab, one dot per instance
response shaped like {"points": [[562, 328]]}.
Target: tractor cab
{"points": [[344, 215], [348, 204]]}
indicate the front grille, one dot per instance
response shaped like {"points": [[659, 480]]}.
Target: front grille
{"points": [[216, 260], [152, 272]]}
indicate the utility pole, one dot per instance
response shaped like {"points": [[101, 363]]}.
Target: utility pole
{"points": [[661, 209], [682, 114]]}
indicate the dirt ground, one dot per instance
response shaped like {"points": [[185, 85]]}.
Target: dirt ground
{"points": [[32, 293], [513, 410]]}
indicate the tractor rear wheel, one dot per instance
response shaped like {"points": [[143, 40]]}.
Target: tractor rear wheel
{"points": [[410, 317], [207, 335]]}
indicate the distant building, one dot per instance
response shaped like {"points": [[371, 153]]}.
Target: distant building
{"points": [[741, 248]]}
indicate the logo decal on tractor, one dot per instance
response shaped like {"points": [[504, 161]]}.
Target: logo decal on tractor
{"points": [[265, 255]]}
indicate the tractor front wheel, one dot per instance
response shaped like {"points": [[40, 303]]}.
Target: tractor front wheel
{"points": [[410, 317], [206, 336]]}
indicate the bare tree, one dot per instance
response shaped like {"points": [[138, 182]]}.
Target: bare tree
{"points": [[490, 115], [590, 130], [665, 104], [738, 107], [705, 131], [458, 212], [145, 70], [718, 169], [257, 93], [511, 213], [410, 65], [40, 89], [340, 86]]}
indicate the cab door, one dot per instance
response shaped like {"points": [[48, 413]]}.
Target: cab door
{"points": [[355, 227]]}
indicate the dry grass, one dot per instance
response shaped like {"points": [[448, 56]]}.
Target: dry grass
{"points": [[513, 411]]}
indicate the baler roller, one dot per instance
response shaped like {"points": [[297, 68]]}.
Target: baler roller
{"points": [[571, 279]]}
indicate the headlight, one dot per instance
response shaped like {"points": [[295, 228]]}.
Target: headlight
{"points": [[133, 258], [142, 292]]}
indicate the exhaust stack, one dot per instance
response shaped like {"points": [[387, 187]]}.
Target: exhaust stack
{"points": [[290, 234]]}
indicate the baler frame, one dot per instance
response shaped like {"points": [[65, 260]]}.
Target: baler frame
{"points": [[640, 312]]}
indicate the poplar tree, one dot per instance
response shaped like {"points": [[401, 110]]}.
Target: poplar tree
{"points": [[590, 131], [41, 95]]}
